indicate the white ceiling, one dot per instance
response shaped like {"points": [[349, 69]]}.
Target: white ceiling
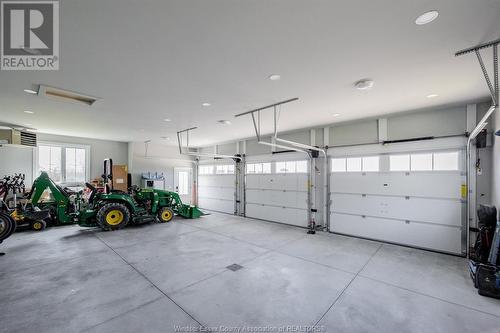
{"points": [[149, 60]]}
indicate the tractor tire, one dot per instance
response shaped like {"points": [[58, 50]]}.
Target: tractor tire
{"points": [[38, 225], [113, 216], [7, 226], [165, 215]]}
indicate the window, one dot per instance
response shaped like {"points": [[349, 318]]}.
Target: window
{"points": [[75, 165], [339, 165], [356, 164], [258, 168], [49, 160], [224, 169], [353, 164], [399, 162], [63, 163], [291, 167], [206, 169], [371, 164], [446, 161], [183, 183], [421, 162]]}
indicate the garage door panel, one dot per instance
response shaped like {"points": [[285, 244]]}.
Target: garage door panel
{"points": [[302, 200], [435, 237], [437, 184], [439, 211], [218, 205], [425, 184], [252, 181], [216, 192]]}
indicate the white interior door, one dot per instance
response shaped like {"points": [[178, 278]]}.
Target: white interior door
{"points": [[183, 183]]}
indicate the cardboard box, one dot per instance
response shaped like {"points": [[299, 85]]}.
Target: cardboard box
{"points": [[120, 177]]}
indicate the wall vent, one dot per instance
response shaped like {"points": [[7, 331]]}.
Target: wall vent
{"points": [[18, 138]]}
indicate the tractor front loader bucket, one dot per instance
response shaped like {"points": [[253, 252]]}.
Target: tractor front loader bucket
{"points": [[189, 212]]}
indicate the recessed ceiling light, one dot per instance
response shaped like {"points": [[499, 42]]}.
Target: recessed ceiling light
{"points": [[427, 17], [30, 91], [28, 112], [432, 96], [274, 77], [206, 104], [364, 84], [224, 122], [336, 114], [167, 119]]}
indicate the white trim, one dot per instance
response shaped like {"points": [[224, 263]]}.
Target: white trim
{"points": [[62, 145]]}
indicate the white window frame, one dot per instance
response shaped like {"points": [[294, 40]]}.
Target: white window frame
{"points": [[225, 168], [207, 166], [286, 171], [361, 161], [261, 167], [63, 146], [428, 152]]}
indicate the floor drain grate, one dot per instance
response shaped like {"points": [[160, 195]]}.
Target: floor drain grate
{"points": [[234, 267]]}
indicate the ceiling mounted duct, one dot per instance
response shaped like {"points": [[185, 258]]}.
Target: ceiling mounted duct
{"points": [[66, 95]]}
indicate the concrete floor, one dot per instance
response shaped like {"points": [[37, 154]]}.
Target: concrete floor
{"points": [[157, 277]]}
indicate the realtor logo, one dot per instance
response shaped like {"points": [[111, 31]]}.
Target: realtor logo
{"points": [[29, 35]]}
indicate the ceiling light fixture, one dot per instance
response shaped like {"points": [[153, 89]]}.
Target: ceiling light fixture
{"points": [[336, 114], [167, 119], [224, 122], [30, 91], [206, 104], [364, 84], [427, 17], [432, 96], [28, 112], [274, 77]]}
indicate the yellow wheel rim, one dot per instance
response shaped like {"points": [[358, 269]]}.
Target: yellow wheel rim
{"points": [[166, 215], [37, 226], [114, 217]]}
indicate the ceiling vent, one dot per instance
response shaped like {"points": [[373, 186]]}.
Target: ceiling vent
{"points": [[66, 95], [19, 138]]}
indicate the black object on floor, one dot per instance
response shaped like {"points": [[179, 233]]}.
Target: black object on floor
{"points": [[234, 267], [484, 268]]}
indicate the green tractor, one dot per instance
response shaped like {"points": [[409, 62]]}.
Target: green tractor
{"points": [[109, 209]]}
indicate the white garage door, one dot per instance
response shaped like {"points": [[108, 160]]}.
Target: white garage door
{"points": [[406, 198], [277, 191], [216, 187]]}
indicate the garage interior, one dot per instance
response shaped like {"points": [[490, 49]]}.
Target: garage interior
{"points": [[252, 166]]}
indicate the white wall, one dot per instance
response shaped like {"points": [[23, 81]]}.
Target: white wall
{"points": [[20, 159], [159, 158], [99, 150], [407, 125], [15, 159]]}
